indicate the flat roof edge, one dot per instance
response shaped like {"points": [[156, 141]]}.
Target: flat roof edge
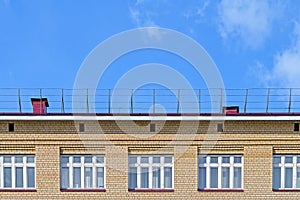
{"points": [[91, 117], [151, 114]]}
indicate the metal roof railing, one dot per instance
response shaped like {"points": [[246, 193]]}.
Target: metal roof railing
{"points": [[249, 100]]}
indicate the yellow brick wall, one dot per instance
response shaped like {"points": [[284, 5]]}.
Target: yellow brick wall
{"points": [[255, 140]]}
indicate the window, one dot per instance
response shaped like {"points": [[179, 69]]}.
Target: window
{"points": [[220, 128], [220, 172], [17, 171], [11, 127], [296, 126], [152, 127], [150, 172], [82, 172], [286, 172], [81, 127]]}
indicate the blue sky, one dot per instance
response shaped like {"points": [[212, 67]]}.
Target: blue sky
{"points": [[254, 43]]}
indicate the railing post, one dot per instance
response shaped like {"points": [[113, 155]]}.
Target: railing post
{"points": [[19, 99], [199, 96], [221, 100], [290, 101], [41, 96], [62, 101], [131, 101], [268, 99], [109, 97], [246, 101], [87, 100], [178, 101], [153, 101]]}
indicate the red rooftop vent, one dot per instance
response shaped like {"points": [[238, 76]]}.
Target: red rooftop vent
{"points": [[39, 105], [231, 110]]}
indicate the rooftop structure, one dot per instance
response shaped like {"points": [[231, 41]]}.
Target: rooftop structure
{"points": [[130, 101], [131, 148]]}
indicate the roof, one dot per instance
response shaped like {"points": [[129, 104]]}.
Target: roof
{"points": [[147, 116]]}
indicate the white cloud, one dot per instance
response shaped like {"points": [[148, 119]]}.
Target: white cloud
{"points": [[144, 18], [201, 10], [135, 15], [195, 10], [286, 70], [248, 20], [260, 74], [139, 2], [141, 18], [144, 12]]}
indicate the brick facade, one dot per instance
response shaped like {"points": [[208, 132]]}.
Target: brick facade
{"points": [[256, 140]]}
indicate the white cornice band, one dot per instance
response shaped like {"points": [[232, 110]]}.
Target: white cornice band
{"points": [[145, 118]]}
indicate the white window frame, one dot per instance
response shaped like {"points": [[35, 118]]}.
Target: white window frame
{"points": [[94, 165], [150, 165], [13, 166], [231, 165], [282, 165]]}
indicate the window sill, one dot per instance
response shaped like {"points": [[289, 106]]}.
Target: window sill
{"points": [[83, 190], [286, 190], [17, 190], [220, 190], [150, 190]]}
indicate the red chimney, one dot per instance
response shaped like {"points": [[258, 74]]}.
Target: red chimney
{"points": [[231, 109], [39, 105]]}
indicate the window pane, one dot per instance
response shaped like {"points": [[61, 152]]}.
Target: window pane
{"points": [[202, 177], [168, 159], [19, 176], [298, 159], [30, 177], [132, 160], [100, 177], [225, 177], [276, 160], [237, 160], [64, 159], [213, 159], [88, 159], [19, 159], [298, 178], [64, 177], [144, 177], [144, 160], [100, 159], [76, 159], [76, 177], [202, 160], [30, 159], [156, 177], [88, 178], [288, 177], [276, 177], [288, 159], [168, 177], [213, 177], [132, 178], [225, 159], [156, 159], [237, 177], [7, 177], [7, 159]]}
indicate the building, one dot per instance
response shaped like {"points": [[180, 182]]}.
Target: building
{"points": [[149, 156]]}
